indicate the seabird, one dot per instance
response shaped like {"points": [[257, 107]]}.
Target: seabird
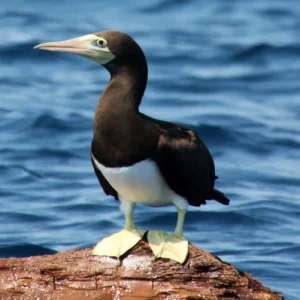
{"points": [[139, 159]]}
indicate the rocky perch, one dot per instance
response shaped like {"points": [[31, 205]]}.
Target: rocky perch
{"points": [[77, 274]]}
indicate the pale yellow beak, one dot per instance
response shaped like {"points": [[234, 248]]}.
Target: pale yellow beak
{"points": [[84, 45], [74, 46]]}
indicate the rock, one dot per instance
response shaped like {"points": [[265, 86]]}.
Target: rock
{"points": [[77, 274]]}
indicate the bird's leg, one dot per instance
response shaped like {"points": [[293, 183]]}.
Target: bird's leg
{"points": [[119, 243], [127, 209], [180, 221], [173, 246]]}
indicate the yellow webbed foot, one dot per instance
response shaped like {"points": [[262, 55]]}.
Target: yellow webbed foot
{"points": [[118, 243], [173, 246]]}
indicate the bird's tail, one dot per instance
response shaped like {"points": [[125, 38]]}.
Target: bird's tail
{"points": [[220, 197]]}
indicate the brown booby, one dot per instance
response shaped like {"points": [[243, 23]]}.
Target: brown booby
{"points": [[136, 158]]}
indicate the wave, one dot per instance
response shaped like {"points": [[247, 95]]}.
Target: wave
{"points": [[48, 121], [25, 217], [71, 122], [25, 17], [24, 250], [163, 5], [217, 134], [264, 50]]}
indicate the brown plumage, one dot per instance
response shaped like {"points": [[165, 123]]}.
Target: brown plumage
{"points": [[123, 136]]}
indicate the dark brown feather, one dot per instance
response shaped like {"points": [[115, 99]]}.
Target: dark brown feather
{"points": [[185, 163], [107, 188]]}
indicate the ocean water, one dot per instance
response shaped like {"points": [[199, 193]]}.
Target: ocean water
{"points": [[228, 69]]}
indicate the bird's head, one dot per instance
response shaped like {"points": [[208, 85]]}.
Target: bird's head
{"points": [[109, 48]]}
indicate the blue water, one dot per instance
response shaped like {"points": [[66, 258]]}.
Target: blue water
{"points": [[229, 69]]}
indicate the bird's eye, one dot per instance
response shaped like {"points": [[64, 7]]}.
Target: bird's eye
{"points": [[101, 43]]}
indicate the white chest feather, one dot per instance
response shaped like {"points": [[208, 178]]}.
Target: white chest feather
{"points": [[140, 183]]}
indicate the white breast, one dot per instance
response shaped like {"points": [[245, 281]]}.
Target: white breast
{"points": [[141, 183]]}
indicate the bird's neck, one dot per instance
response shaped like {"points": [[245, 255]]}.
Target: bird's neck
{"points": [[117, 110], [125, 89]]}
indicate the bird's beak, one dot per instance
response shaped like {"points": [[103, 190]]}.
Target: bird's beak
{"points": [[77, 46], [84, 45]]}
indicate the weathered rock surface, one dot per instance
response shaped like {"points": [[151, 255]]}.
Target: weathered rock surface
{"points": [[77, 274]]}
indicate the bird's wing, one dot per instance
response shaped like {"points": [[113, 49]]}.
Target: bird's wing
{"points": [[185, 163], [107, 188]]}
